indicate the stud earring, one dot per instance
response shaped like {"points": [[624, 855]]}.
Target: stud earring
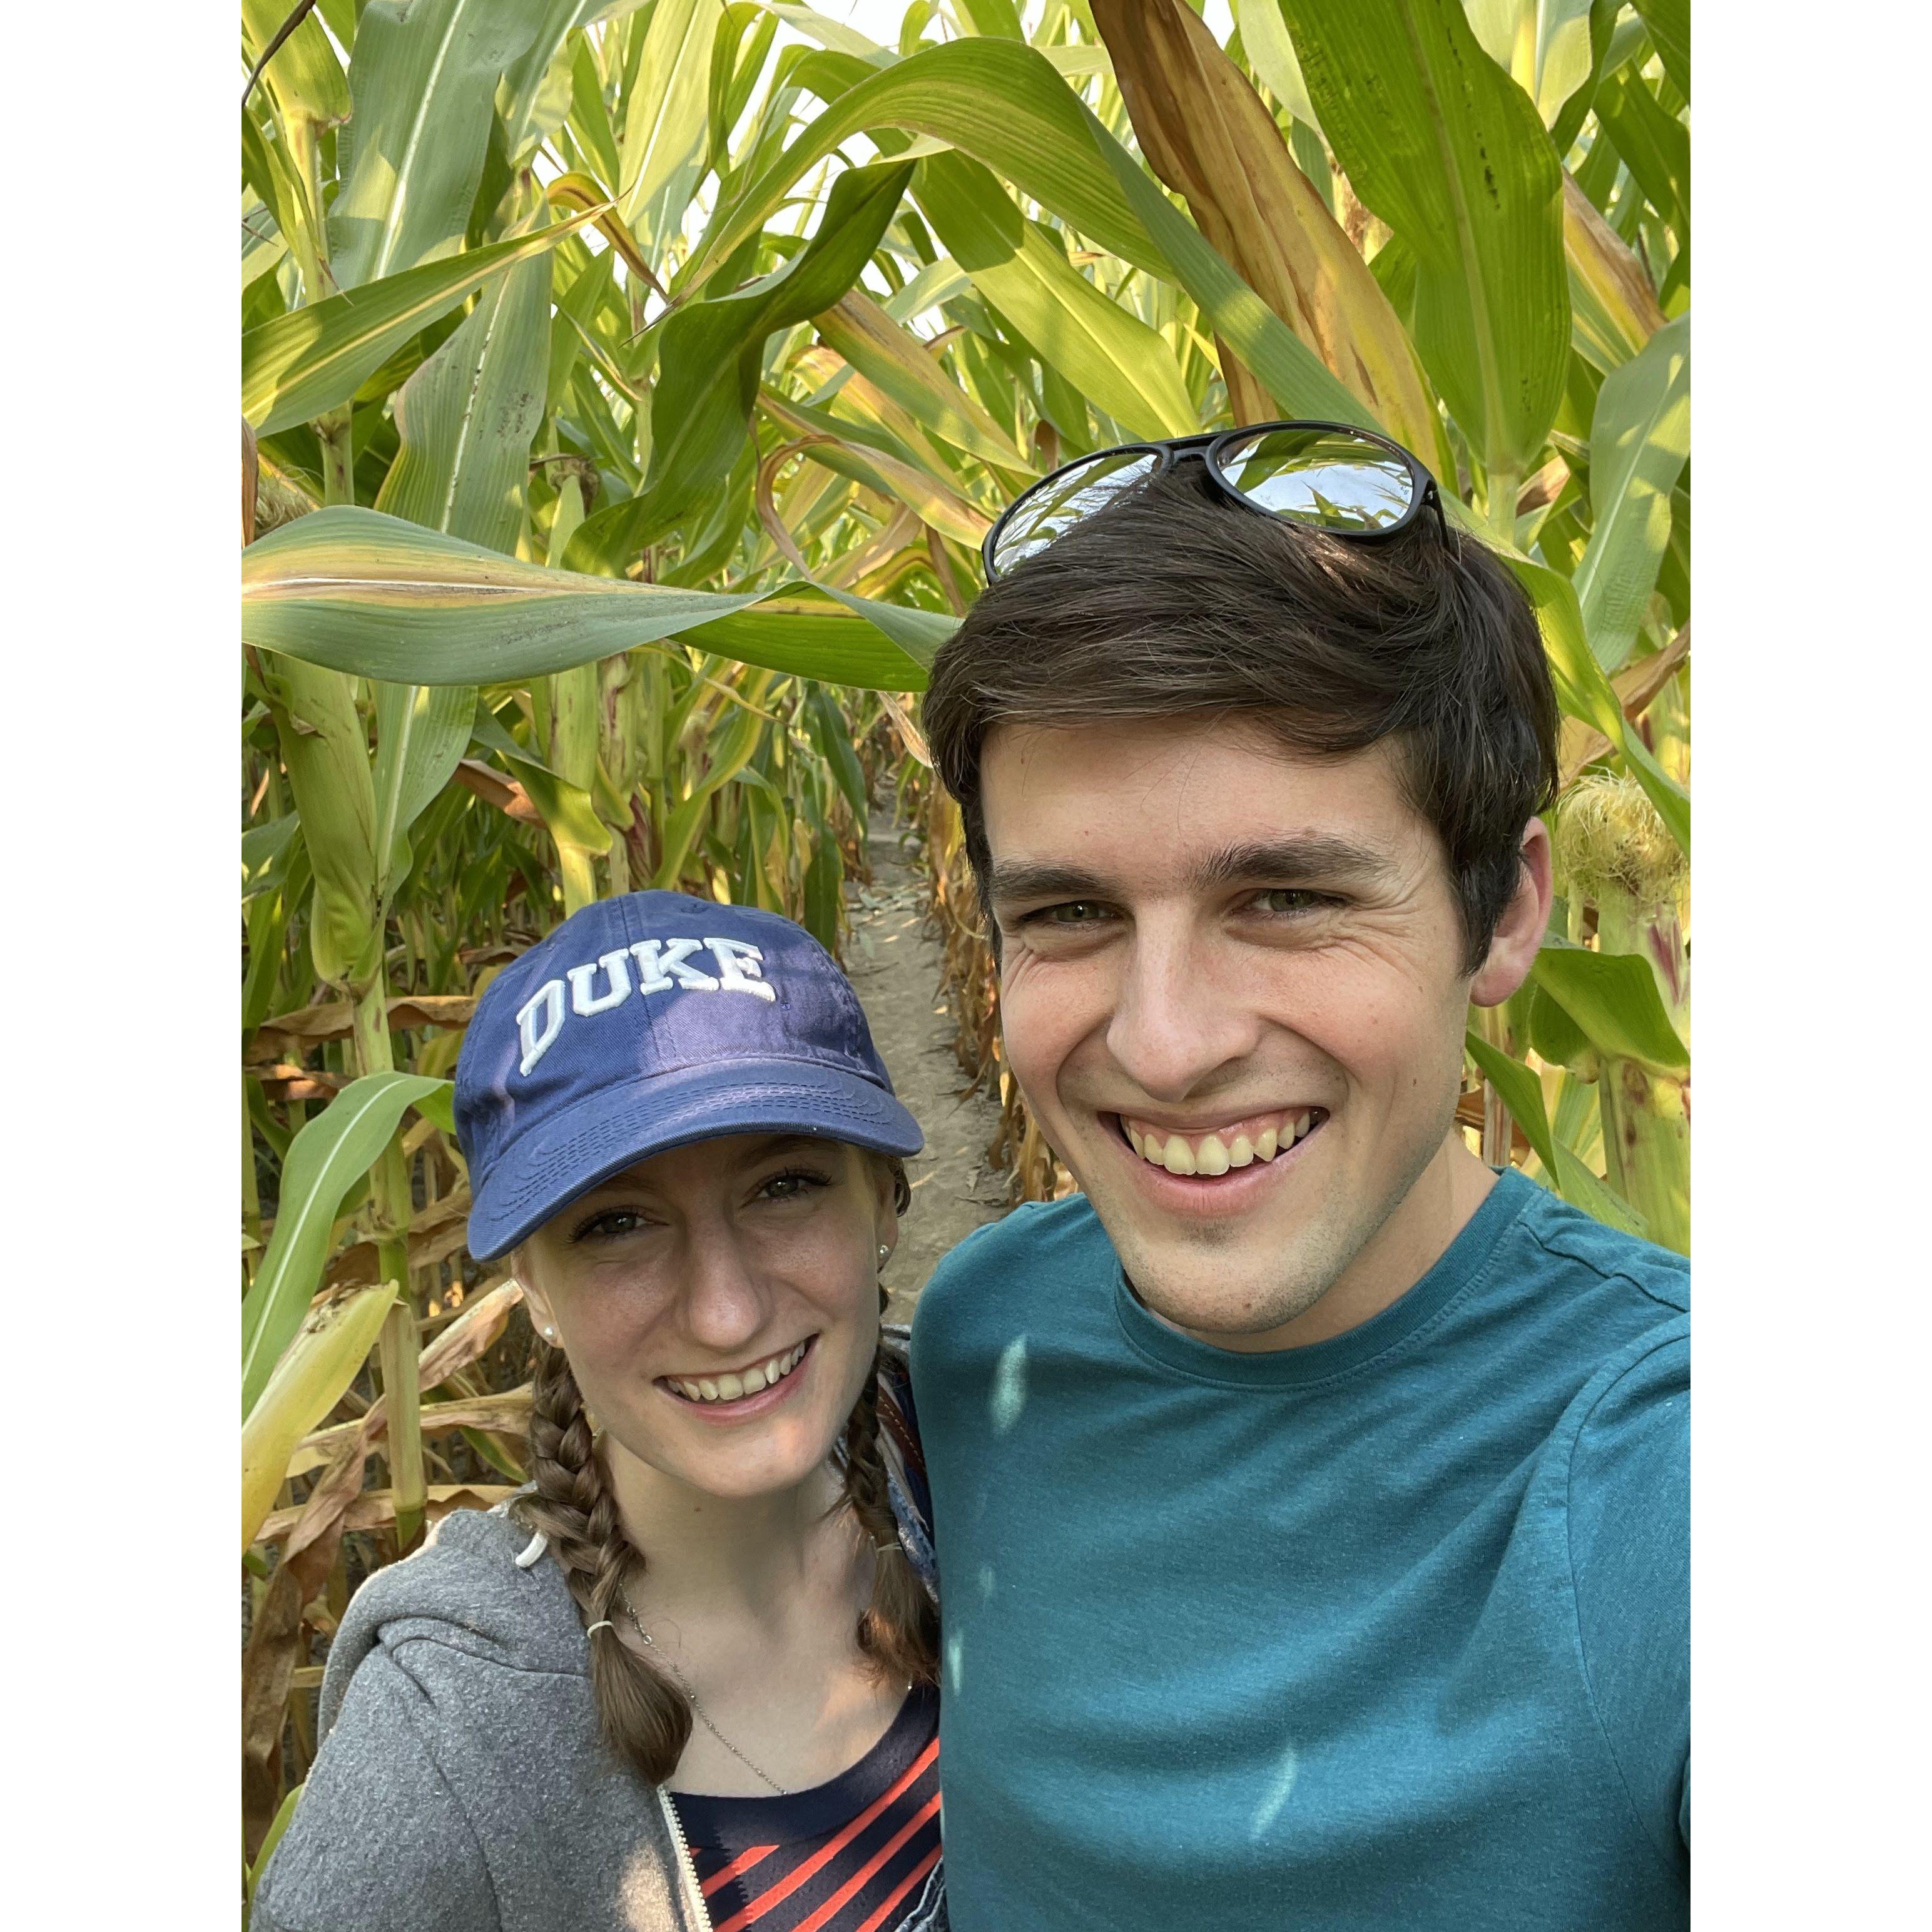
{"points": [[885, 1254]]}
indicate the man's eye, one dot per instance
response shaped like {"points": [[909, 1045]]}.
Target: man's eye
{"points": [[1292, 899], [1073, 912]]}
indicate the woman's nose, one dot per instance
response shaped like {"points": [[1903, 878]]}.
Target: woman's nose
{"points": [[725, 1303]]}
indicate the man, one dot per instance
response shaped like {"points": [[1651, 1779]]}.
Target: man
{"points": [[1311, 1500]]}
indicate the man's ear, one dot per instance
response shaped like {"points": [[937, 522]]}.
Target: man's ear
{"points": [[1519, 931]]}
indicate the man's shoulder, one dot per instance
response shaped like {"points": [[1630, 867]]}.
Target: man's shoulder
{"points": [[1010, 1258], [1565, 1241]]}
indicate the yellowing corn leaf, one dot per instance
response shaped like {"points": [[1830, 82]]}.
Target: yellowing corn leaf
{"points": [[376, 1509], [508, 1414], [324, 1358], [1613, 305], [333, 1019], [1206, 133], [901, 366]]}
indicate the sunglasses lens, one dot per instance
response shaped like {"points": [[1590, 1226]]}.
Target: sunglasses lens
{"points": [[1324, 478], [1057, 505]]}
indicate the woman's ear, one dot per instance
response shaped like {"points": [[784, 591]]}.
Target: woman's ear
{"points": [[885, 1198], [543, 1318]]}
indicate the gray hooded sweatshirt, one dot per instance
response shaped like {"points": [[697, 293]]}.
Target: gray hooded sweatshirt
{"points": [[465, 1785]]}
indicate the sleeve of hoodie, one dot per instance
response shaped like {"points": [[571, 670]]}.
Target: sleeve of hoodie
{"points": [[379, 1841]]}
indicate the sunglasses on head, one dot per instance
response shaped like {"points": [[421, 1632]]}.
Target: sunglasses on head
{"points": [[1331, 477]]}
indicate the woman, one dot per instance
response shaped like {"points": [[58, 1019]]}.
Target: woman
{"points": [[686, 1679]]}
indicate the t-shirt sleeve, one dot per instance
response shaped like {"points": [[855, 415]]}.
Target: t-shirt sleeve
{"points": [[1630, 1549], [379, 1839]]}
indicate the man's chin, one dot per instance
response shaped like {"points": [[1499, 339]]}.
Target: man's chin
{"points": [[1214, 1296]]}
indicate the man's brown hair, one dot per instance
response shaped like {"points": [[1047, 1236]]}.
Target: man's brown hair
{"points": [[1174, 602]]}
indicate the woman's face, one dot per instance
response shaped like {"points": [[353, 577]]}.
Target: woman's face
{"points": [[719, 1303]]}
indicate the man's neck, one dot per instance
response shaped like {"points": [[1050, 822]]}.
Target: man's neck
{"points": [[1439, 1205]]}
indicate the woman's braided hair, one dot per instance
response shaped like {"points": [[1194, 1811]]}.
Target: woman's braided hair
{"points": [[646, 1717]]}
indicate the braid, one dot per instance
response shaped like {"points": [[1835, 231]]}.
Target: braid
{"points": [[646, 1720], [898, 1630]]}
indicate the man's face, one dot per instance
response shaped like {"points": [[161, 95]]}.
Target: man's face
{"points": [[1250, 962]]}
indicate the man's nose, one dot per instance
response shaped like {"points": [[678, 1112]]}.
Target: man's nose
{"points": [[1176, 1023]]}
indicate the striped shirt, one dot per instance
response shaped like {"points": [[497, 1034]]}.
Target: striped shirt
{"points": [[860, 1854]]}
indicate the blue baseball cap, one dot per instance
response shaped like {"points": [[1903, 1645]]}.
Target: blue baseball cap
{"points": [[645, 1022]]}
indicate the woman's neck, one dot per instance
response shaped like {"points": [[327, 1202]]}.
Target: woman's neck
{"points": [[731, 1552]]}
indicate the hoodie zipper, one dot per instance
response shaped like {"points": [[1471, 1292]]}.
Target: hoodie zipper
{"points": [[693, 1895]]}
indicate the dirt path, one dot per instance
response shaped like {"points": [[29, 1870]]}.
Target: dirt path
{"points": [[894, 962]]}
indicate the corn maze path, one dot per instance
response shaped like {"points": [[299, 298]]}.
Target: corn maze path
{"points": [[894, 963]]}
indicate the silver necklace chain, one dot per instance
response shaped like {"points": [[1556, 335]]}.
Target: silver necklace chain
{"points": [[697, 1709]]}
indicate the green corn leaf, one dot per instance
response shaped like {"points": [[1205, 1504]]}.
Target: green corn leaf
{"points": [[1613, 999], [667, 130], [325, 1159], [261, 847], [423, 78], [421, 731], [728, 752], [1655, 146], [1100, 345], [534, 95], [300, 365], [1522, 1093], [283, 1819], [1670, 24], [569, 814], [1005, 106], [709, 355], [360, 592], [1443, 145], [1584, 692], [1271, 54], [325, 749], [1639, 442], [304, 78], [466, 420]]}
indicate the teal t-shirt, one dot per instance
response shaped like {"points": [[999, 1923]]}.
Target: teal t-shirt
{"points": [[1389, 1631]]}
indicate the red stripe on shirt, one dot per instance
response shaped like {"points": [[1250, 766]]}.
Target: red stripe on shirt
{"points": [[743, 1862], [919, 1872], [798, 1875], [830, 1908]]}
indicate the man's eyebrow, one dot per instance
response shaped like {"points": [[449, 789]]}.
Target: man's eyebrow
{"points": [[1322, 857], [1044, 879]]}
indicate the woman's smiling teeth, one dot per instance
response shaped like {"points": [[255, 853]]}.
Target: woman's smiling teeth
{"points": [[746, 1381], [1258, 1137]]}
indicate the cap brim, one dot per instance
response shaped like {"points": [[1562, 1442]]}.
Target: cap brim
{"points": [[543, 1170]]}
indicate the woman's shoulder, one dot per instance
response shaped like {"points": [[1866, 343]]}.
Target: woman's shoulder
{"points": [[476, 1598]]}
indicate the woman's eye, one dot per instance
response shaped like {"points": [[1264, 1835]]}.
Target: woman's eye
{"points": [[609, 1224], [794, 1185]]}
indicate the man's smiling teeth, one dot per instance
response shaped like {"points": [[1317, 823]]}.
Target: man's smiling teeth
{"points": [[730, 1388], [1260, 1137]]}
